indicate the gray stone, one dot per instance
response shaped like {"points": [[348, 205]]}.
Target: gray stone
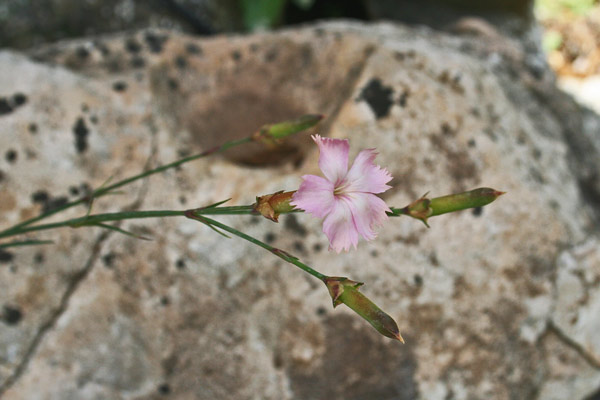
{"points": [[496, 305]]}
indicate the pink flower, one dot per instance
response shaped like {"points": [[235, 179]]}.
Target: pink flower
{"points": [[344, 198]]}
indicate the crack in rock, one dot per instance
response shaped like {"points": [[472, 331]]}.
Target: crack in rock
{"points": [[77, 279], [563, 337]]}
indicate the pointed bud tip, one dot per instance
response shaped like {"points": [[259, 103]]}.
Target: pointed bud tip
{"points": [[400, 338]]}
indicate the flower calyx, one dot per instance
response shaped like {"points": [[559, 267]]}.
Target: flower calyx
{"points": [[344, 290], [271, 206]]}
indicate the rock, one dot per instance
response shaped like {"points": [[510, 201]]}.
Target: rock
{"points": [[486, 300]]}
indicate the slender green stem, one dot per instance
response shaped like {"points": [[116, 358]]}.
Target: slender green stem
{"points": [[98, 219], [91, 220], [106, 190], [192, 214]]}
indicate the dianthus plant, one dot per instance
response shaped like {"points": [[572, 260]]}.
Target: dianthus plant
{"points": [[346, 199]]}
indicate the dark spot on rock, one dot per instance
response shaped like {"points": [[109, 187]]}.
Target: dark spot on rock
{"points": [[164, 389], [82, 53], [11, 156], [138, 62], [236, 55], [299, 246], [278, 360], [399, 56], [5, 107], [270, 237], [181, 62], [402, 99], [444, 77], [119, 86], [378, 97], [452, 81], [321, 311], [184, 153], [132, 45], [1, 175], [374, 253], [319, 32], [55, 203], [537, 154], [74, 191], [291, 223], [39, 258], [471, 143], [193, 48], [33, 128], [40, 196], [298, 163], [11, 315], [84, 108], [104, 50], [418, 280], [155, 42], [182, 200], [5, 256], [537, 175], [317, 247], [169, 364], [173, 83], [165, 301], [477, 211], [447, 130], [433, 259], [94, 119], [81, 132], [271, 55], [114, 65], [109, 259], [19, 99], [180, 263]]}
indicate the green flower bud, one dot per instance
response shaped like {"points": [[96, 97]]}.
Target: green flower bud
{"points": [[424, 208], [344, 290], [461, 201], [272, 134]]}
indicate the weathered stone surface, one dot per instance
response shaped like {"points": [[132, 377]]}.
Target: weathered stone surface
{"points": [[496, 304]]}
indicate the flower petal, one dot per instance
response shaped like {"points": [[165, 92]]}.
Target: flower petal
{"points": [[333, 157], [368, 212], [365, 176], [315, 196], [339, 227]]}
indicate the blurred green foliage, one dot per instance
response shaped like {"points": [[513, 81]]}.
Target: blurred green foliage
{"points": [[552, 40], [562, 8], [266, 14]]}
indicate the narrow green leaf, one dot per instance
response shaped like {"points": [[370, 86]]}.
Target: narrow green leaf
{"points": [[123, 231], [25, 243]]}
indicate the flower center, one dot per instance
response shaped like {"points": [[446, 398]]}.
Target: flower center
{"points": [[340, 189]]}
